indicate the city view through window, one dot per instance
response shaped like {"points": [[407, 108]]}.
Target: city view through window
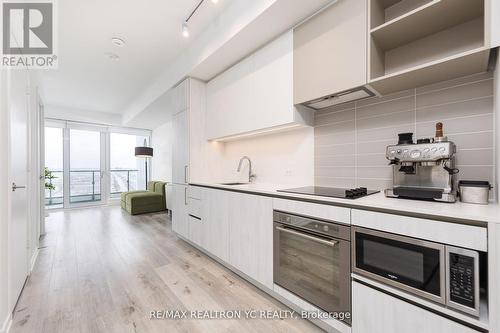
{"points": [[89, 179]]}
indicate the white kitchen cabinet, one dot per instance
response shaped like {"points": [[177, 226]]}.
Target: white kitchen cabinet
{"points": [[180, 210], [376, 312], [234, 227], [215, 215], [195, 229], [229, 98], [180, 148], [169, 196], [196, 219], [330, 52], [255, 95], [194, 159], [462, 235], [251, 236]]}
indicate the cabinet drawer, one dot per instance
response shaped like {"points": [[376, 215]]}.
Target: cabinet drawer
{"points": [[326, 212], [195, 192], [194, 207], [376, 312], [195, 227], [472, 237]]}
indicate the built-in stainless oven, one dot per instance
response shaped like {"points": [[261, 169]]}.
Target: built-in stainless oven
{"points": [[312, 260], [438, 272]]}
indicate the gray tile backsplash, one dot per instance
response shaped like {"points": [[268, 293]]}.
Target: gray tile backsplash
{"points": [[350, 139]]}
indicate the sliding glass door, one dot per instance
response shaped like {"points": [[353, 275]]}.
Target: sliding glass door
{"points": [[86, 167], [91, 164]]}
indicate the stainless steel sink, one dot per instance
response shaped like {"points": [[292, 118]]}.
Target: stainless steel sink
{"points": [[233, 183]]}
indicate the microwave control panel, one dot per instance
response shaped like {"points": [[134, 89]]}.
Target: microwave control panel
{"points": [[462, 279]]}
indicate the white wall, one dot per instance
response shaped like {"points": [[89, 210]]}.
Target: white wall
{"points": [[285, 158], [496, 106], [33, 183], [4, 197], [161, 141]]}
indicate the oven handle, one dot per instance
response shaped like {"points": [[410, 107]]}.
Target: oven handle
{"points": [[331, 243]]}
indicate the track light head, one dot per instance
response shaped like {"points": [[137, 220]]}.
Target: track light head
{"points": [[185, 29]]}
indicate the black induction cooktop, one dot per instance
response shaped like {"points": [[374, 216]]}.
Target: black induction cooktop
{"points": [[333, 192]]}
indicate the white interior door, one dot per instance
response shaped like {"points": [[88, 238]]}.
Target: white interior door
{"points": [[18, 223]]}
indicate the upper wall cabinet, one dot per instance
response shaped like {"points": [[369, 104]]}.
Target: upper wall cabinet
{"points": [[417, 42], [255, 95], [330, 51]]}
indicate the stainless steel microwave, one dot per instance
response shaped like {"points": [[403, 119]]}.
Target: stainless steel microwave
{"points": [[445, 274]]}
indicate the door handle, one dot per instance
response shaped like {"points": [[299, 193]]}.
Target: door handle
{"points": [[15, 187], [312, 238], [185, 174], [185, 196]]}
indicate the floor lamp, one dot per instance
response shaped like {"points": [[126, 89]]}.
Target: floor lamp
{"points": [[147, 153]]}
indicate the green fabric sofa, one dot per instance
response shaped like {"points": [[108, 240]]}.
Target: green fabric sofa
{"points": [[150, 201]]}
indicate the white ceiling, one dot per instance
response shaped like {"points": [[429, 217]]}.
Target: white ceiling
{"points": [[87, 79], [241, 29], [88, 86]]}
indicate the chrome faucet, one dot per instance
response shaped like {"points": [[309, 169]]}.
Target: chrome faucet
{"points": [[251, 176]]}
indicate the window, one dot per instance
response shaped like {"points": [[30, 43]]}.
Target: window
{"points": [[127, 173], [54, 198], [92, 163]]}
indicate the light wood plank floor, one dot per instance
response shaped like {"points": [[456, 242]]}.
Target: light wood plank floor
{"points": [[102, 270]]}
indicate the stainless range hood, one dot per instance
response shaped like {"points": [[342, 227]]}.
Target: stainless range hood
{"points": [[339, 98]]}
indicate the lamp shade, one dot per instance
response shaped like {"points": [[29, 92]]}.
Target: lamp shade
{"points": [[143, 152]]}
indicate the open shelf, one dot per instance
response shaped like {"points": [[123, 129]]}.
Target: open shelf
{"points": [[382, 11], [458, 65], [425, 20], [411, 42]]}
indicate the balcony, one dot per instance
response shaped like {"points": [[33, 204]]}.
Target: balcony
{"points": [[85, 186]]}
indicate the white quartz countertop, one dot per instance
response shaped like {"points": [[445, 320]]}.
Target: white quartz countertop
{"points": [[458, 210]]}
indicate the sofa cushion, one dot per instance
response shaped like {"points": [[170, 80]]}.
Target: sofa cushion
{"points": [[144, 198]]}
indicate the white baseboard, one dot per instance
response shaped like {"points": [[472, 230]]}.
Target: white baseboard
{"points": [[34, 257], [6, 324]]}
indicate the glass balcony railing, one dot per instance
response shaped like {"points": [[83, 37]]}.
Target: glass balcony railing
{"points": [[85, 185], [55, 197]]}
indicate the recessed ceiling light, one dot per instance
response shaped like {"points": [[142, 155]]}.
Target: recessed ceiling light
{"points": [[118, 41], [215, 1], [185, 29], [112, 56]]}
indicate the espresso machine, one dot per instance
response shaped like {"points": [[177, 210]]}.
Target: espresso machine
{"points": [[423, 170]]}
